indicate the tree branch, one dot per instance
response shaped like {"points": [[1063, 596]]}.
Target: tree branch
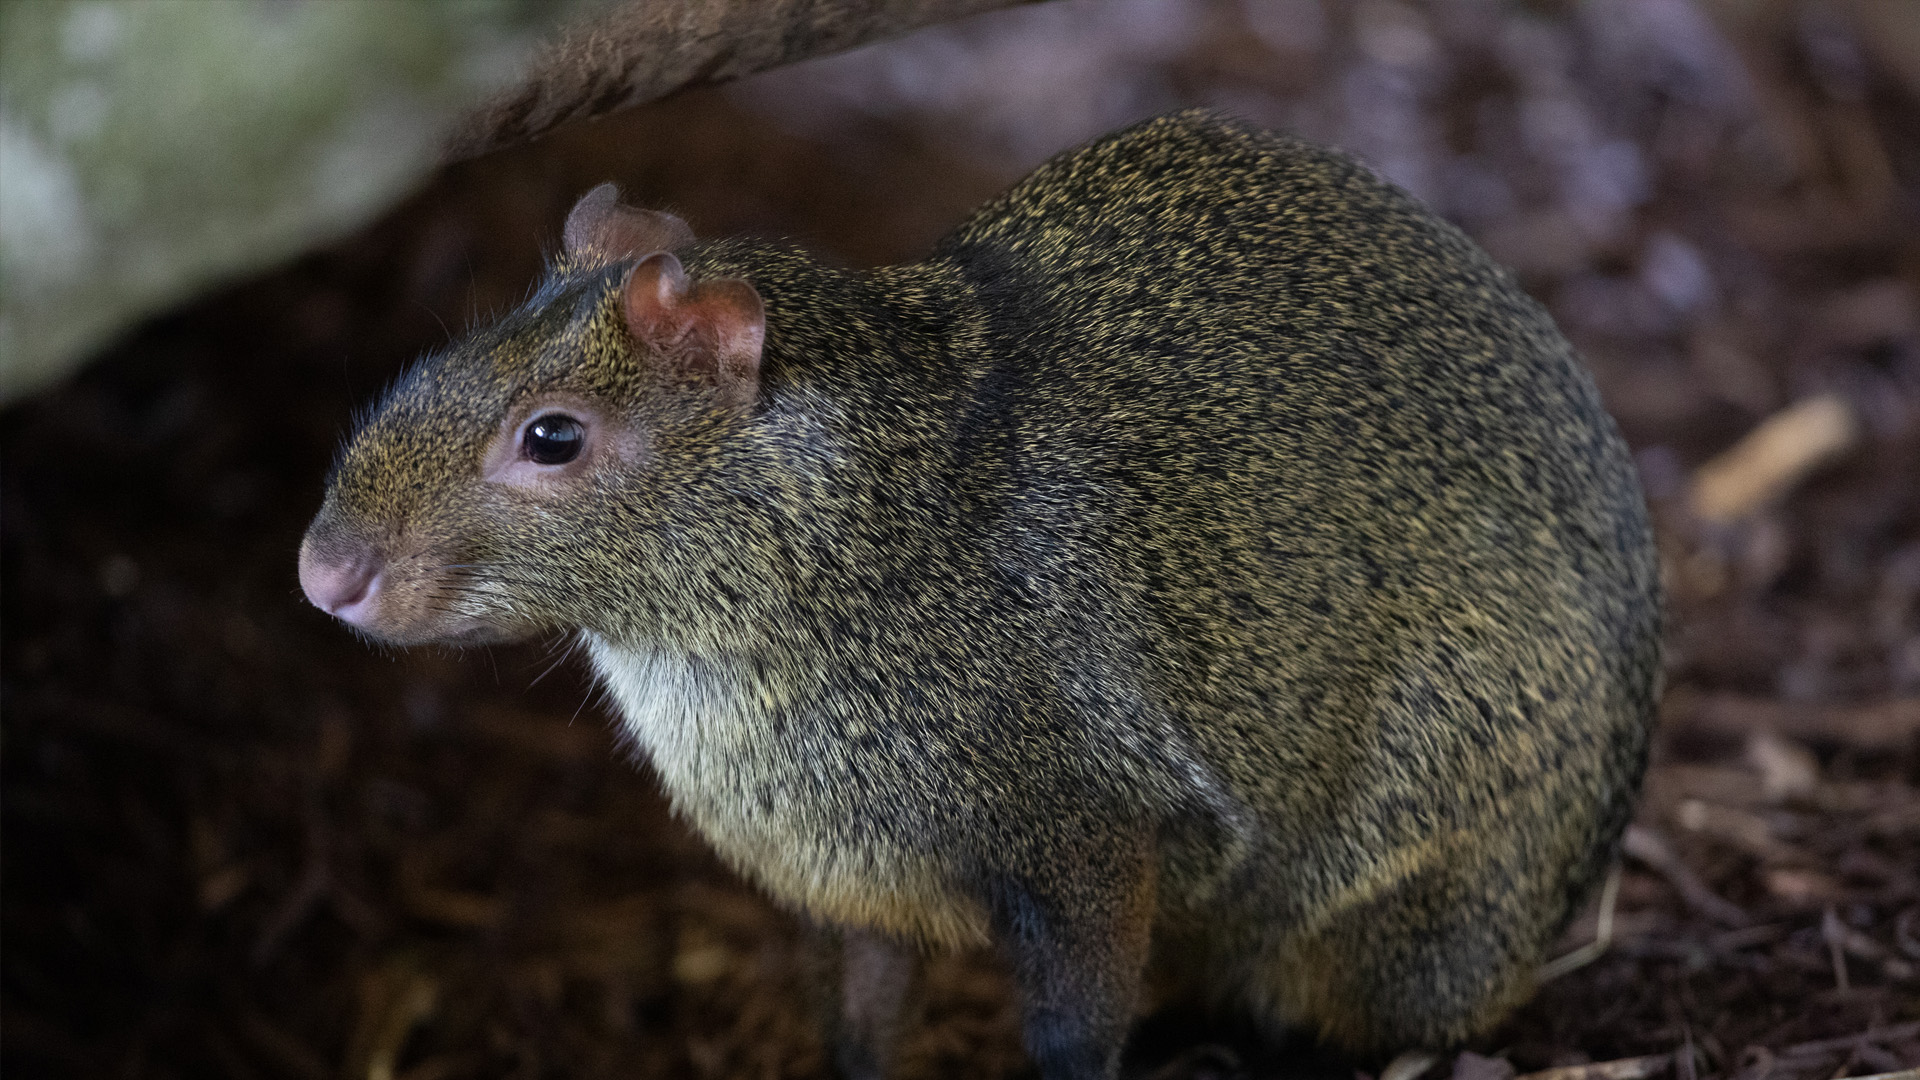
{"points": [[647, 49]]}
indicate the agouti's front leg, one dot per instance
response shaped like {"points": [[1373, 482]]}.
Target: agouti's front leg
{"points": [[1077, 940], [870, 987]]}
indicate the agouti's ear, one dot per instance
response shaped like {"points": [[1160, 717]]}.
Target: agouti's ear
{"points": [[711, 332], [600, 229]]}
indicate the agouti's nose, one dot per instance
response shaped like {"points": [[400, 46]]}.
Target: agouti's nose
{"points": [[346, 588]]}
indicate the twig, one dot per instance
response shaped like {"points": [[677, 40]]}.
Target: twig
{"points": [[1635, 1068], [1896, 1033], [1835, 935], [1652, 849], [1903, 934], [1602, 934], [1206, 1060], [1885, 725], [291, 1057], [1862, 947], [1748, 936], [313, 884]]}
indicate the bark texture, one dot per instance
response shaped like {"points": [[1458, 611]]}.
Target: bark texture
{"points": [[647, 49]]}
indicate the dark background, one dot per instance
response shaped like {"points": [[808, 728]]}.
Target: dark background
{"points": [[240, 844]]}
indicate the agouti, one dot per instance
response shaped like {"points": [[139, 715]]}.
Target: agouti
{"points": [[1204, 574]]}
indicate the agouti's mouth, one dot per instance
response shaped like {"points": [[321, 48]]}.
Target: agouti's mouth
{"points": [[409, 619], [478, 633], [463, 634]]}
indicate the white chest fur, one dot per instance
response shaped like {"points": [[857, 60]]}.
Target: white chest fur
{"points": [[707, 732], [681, 711]]}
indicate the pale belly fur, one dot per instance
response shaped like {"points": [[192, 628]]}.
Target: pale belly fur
{"points": [[704, 729]]}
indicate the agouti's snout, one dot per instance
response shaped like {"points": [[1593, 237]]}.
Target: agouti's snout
{"points": [[342, 583]]}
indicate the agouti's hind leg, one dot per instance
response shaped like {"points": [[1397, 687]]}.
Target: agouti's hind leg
{"points": [[869, 989], [1432, 962], [1078, 945]]}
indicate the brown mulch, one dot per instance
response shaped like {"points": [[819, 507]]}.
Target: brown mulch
{"points": [[240, 844]]}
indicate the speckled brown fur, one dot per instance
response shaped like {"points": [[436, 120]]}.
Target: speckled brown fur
{"points": [[1205, 560]]}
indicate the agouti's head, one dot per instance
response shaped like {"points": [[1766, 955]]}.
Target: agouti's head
{"points": [[489, 495]]}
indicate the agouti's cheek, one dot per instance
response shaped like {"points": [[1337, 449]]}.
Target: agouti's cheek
{"points": [[537, 478]]}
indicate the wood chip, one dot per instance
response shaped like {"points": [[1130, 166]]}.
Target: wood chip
{"points": [[1740, 829], [1773, 458], [1409, 1065], [1787, 769], [395, 998], [1472, 1066]]}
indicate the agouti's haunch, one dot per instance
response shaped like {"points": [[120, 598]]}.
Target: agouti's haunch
{"points": [[1204, 574]]}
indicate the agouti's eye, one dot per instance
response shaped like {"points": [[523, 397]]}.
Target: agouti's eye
{"points": [[554, 439]]}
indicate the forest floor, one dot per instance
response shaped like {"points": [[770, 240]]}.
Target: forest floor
{"points": [[240, 844]]}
